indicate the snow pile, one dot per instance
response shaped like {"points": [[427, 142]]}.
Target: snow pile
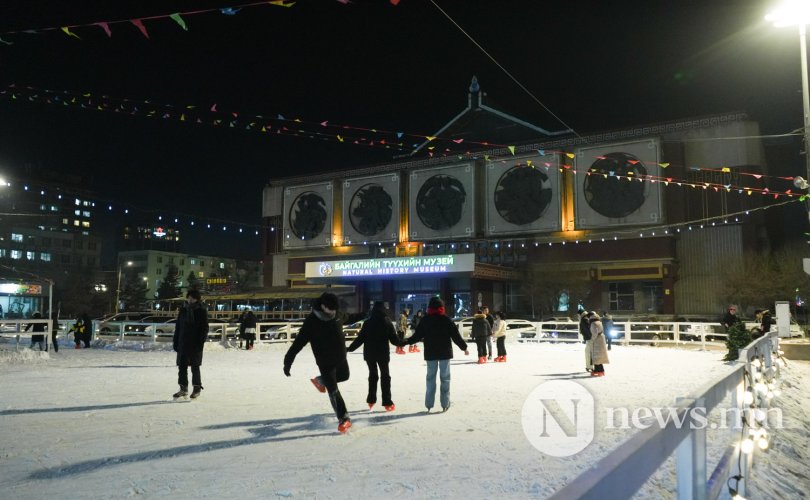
{"points": [[100, 423]]}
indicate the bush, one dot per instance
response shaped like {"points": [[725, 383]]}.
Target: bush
{"points": [[738, 337]]}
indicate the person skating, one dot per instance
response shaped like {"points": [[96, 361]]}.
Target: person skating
{"points": [[189, 339], [247, 329], [480, 331], [402, 329], [491, 321], [585, 331], [437, 331], [599, 354], [54, 327], [499, 332], [325, 335], [82, 331], [38, 337], [414, 323], [377, 332]]}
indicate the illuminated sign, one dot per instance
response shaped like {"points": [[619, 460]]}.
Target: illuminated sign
{"points": [[159, 232], [216, 281], [394, 267], [16, 289]]}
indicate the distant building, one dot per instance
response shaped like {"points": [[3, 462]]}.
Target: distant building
{"points": [[624, 211], [149, 237]]}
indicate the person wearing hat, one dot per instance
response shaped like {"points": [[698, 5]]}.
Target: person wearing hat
{"points": [[599, 355], [324, 332], [437, 331], [377, 332], [189, 339], [585, 331]]}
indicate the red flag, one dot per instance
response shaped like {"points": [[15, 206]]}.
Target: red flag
{"points": [[140, 26], [106, 28]]}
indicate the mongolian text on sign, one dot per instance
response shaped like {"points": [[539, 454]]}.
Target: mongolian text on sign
{"points": [[409, 266]]}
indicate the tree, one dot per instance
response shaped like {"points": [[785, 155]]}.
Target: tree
{"points": [[545, 286], [168, 288], [76, 294], [133, 295], [192, 281]]}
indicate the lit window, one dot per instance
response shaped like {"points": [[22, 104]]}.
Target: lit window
{"points": [[222, 265], [45, 256], [77, 202], [192, 262], [2, 252], [30, 255], [86, 213], [16, 254], [54, 208], [76, 223], [77, 213], [16, 237], [65, 221], [85, 224]]}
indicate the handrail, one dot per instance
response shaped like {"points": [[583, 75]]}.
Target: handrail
{"points": [[628, 467]]}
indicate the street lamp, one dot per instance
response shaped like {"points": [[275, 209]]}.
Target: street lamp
{"points": [[797, 13], [118, 288]]}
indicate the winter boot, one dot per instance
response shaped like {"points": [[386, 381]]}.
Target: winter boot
{"points": [[503, 358], [183, 392], [78, 346], [317, 383], [410, 348], [482, 360], [390, 407], [416, 348], [344, 426], [196, 392], [371, 405], [400, 350]]}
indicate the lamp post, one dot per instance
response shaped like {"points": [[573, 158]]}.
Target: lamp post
{"points": [[118, 287], [797, 13]]}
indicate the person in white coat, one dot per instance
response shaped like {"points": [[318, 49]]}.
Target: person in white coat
{"points": [[499, 332], [599, 353]]}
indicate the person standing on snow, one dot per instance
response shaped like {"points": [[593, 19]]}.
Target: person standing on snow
{"points": [[39, 333], [189, 339], [402, 329], [377, 332], [324, 333], [437, 331], [499, 332], [480, 332], [599, 356], [247, 329], [585, 331], [730, 318], [491, 321]]}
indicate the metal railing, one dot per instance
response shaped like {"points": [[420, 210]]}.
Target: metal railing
{"points": [[627, 468], [634, 332]]}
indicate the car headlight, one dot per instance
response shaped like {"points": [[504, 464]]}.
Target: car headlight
{"points": [[613, 332]]}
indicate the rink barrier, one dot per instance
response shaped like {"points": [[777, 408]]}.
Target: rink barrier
{"points": [[653, 333], [627, 468]]}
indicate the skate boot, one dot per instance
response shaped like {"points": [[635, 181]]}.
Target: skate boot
{"points": [[390, 407], [400, 350], [371, 405], [317, 383], [183, 392], [344, 426], [196, 392]]}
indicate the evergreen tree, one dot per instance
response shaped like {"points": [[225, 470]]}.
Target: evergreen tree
{"points": [[133, 295], [738, 338], [168, 288], [193, 283]]}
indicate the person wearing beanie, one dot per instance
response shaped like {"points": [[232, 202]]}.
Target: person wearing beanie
{"points": [[480, 331], [585, 331], [324, 333], [189, 339], [377, 332], [437, 331]]}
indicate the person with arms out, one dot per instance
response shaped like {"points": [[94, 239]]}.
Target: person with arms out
{"points": [[324, 333], [437, 331], [499, 332], [377, 332], [247, 329], [189, 339], [38, 337], [480, 332], [599, 356]]}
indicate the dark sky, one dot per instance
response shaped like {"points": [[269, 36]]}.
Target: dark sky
{"points": [[597, 65]]}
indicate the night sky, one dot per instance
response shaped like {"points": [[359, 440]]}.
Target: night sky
{"points": [[596, 65]]}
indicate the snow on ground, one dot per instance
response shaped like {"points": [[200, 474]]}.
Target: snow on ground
{"points": [[100, 423]]}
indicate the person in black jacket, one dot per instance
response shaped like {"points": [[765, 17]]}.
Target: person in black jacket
{"points": [[324, 333], [480, 332], [189, 339], [437, 331], [585, 331], [377, 332], [247, 329], [39, 332]]}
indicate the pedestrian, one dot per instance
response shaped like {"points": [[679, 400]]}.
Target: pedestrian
{"points": [[607, 323], [82, 330], [491, 321], [324, 333], [414, 323], [585, 331], [767, 321], [480, 332], [436, 330], [599, 355], [241, 328], [38, 337], [402, 329], [247, 329], [730, 318], [54, 327], [499, 333], [189, 339], [375, 334]]}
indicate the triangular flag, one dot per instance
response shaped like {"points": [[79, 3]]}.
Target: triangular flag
{"points": [[725, 169], [511, 149], [664, 165], [281, 3], [394, 2], [324, 123], [5, 42], [570, 155], [139, 24], [179, 20], [757, 176], [429, 137], [339, 138], [106, 28], [458, 141], [70, 33], [264, 129], [542, 152], [182, 117], [214, 108], [229, 11], [399, 135]]}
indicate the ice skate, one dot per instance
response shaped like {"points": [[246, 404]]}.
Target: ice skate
{"points": [[390, 407], [318, 385], [344, 426], [196, 392], [183, 392]]}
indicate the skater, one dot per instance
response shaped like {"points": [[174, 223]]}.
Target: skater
{"points": [[500, 336], [480, 332], [325, 334], [402, 329], [38, 337], [81, 331], [585, 331], [437, 331], [54, 327], [491, 321], [414, 323], [247, 329], [607, 324], [189, 340], [376, 333], [599, 355]]}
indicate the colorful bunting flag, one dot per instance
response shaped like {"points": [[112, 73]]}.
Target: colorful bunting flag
{"points": [[139, 24], [179, 20], [511, 150], [70, 33], [106, 28]]}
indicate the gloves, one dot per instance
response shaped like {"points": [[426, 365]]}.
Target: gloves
{"points": [[287, 370]]}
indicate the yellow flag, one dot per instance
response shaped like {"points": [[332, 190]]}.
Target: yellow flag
{"points": [[70, 33], [512, 149]]}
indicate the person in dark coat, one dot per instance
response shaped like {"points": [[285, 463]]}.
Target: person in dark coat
{"points": [[437, 331], [585, 331], [480, 332], [190, 335], [247, 329], [377, 332], [82, 331], [324, 333], [38, 337], [54, 328], [730, 318], [491, 321]]}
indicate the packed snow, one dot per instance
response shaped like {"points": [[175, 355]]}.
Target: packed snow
{"points": [[101, 423]]}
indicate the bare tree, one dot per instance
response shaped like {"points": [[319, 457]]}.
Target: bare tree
{"points": [[545, 286]]}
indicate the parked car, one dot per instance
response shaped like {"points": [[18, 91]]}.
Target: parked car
{"points": [[280, 330], [351, 331], [113, 324]]}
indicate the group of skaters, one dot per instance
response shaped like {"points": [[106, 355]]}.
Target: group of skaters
{"points": [[484, 327], [81, 329], [592, 331], [322, 330]]}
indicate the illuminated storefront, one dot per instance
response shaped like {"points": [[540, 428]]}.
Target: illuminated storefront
{"points": [[21, 300]]}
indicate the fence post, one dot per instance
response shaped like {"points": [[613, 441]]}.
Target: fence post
{"points": [[691, 457], [17, 347]]}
